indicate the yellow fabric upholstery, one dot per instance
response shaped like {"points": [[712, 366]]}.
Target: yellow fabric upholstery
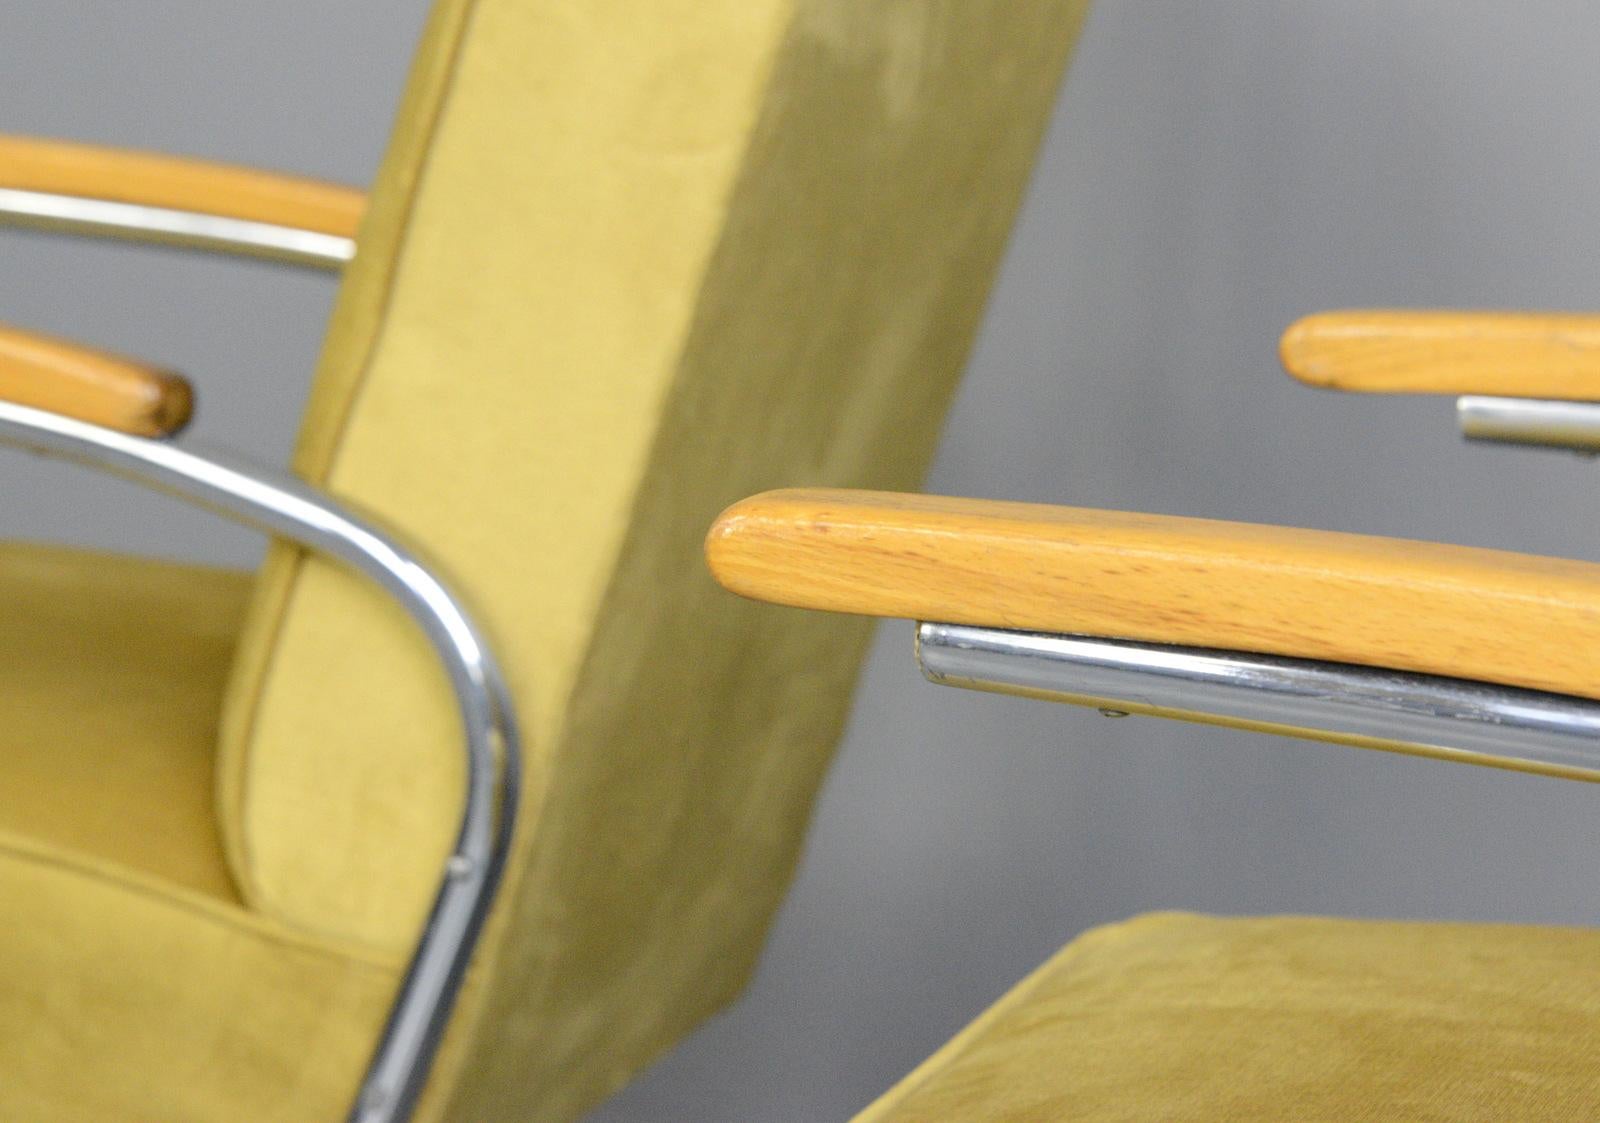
{"points": [[1181, 1017], [623, 266], [133, 983], [114, 670], [125, 998]]}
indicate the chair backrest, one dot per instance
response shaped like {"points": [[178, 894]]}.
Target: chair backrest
{"points": [[623, 265]]}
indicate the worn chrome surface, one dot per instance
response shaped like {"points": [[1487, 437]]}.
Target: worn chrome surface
{"points": [[77, 215], [286, 507], [1530, 421], [1513, 725]]}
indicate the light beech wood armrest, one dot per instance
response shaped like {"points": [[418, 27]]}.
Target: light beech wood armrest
{"points": [[92, 385], [1509, 354], [1415, 606], [174, 183]]}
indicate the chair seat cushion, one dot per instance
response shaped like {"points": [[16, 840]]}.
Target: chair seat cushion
{"points": [[1183, 1017], [133, 984], [125, 998], [112, 682]]}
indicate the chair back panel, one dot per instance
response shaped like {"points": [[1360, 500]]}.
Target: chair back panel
{"points": [[624, 264]]}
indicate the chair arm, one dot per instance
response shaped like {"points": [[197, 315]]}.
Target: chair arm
{"points": [[1421, 607], [91, 385], [175, 183], [1508, 354], [91, 189]]}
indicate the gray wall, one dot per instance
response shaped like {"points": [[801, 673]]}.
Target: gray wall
{"points": [[1214, 171]]}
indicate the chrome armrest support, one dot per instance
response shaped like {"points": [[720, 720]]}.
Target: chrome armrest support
{"points": [[1530, 421], [284, 506], [76, 214], [1477, 722]]}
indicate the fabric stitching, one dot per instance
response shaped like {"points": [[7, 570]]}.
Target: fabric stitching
{"points": [[241, 920], [288, 585]]}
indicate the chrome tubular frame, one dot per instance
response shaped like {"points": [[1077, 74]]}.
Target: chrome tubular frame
{"points": [[1478, 722], [284, 506], [1530, 421], [74, 214]]}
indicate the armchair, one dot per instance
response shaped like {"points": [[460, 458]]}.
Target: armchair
{"points": [[617, 269], [1476, 656]]}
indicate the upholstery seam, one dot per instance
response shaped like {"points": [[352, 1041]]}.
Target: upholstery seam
{"points": [[241, 919], [251, 888]]}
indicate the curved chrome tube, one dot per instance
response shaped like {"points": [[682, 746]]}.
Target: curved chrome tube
{"points": [[74, 214], [284, 506], [1485, 722]]}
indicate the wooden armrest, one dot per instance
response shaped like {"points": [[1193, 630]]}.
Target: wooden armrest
{"points": [[173, 183], [1510, 354], [1414, 606], [91, 385]]}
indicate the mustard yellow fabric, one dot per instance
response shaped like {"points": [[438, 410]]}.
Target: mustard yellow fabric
{"points": [[123, 997], [624, 265], [114, 670], [134, 985], [1184, 1017]]}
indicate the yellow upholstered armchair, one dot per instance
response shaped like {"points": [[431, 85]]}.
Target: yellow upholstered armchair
{"points": [[481, 793], [1470, 655], [622, 265]]}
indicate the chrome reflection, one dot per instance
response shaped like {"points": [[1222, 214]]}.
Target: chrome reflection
{"points": [[1338, 701], [284, 506], [1530, 421], [74, 214]]}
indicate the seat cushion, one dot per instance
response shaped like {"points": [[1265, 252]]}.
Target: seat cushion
{"points": [[133, 983], [111, 687], [1182, 1017], [125, 998]]}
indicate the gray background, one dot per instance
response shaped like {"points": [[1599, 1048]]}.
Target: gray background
{"points": [[1213, 171]]}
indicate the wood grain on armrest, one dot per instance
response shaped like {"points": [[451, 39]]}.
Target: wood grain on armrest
{"points": [[92, 385], [148, 179], [1415, 606], [1512, 354]]}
